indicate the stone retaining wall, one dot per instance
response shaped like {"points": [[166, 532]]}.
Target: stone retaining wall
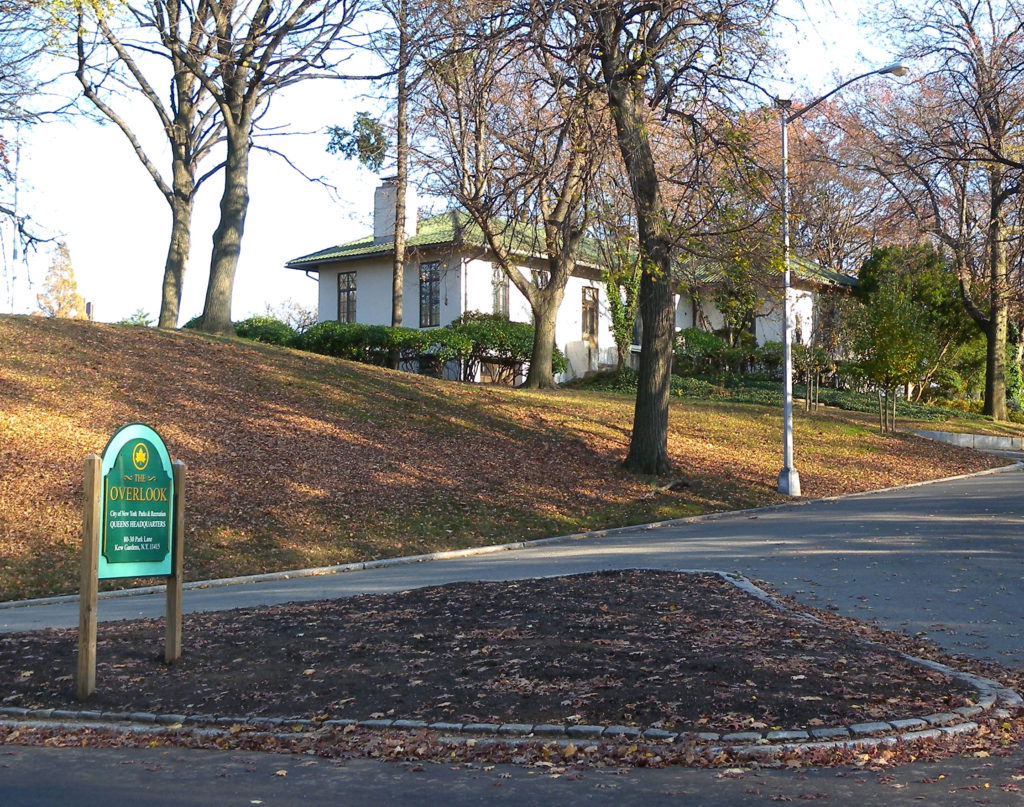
{"points": [[980, 442]]}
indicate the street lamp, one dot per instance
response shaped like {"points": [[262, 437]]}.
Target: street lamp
{"points": [[789, 478]]}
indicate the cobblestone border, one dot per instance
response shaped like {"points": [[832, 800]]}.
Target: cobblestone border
{"points": [[992, 698]]}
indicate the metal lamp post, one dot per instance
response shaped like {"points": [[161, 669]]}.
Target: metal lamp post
{"points": [[789, 477]]}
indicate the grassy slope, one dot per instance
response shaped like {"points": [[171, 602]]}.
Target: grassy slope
{"points": [[298, 460]]}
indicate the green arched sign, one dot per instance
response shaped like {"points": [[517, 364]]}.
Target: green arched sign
{"points": [[138, 499]]}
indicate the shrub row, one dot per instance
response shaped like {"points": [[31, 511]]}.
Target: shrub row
{"points": [[625, 381], [470, 341], [766, 392], [698, 352], [266, 329]]}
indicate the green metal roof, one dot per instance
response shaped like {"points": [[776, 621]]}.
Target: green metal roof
{"points": [[693, 272], [453, 228], [456, 228], [809, 270]]}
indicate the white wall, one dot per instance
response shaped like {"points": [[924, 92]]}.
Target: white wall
{"points": [[684, 312], [568, 325], [466, 286], [768, 323], [479, 292], [373, 291], [803, 314], [450, 292], [569, 330], [708, 314]]}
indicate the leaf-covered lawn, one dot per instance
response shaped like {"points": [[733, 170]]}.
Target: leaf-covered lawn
{"points": [[297, 460]]}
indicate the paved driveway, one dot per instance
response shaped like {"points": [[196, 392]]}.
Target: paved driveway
{"points": [[945, 560]]}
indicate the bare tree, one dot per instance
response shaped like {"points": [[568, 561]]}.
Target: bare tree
{"points": [[115, 51], [517, 131], [402, 48], [260, 47], [18, 48], [22, 40], [404, 51], [677, 58]]}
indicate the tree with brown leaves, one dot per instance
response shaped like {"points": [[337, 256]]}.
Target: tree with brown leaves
{"points": [[60, 297]]}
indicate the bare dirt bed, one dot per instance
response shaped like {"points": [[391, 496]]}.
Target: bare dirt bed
{"points": [[652, 649]]}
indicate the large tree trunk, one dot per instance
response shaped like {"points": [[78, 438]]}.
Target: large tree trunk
{"points": [[996, 327], [181, 203], [648, 446], [227, 239], [995, 362], [545, 311], [402, 178]]}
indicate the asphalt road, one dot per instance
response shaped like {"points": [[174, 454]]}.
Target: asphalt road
{"points": [[53, 777], [943, 560]]}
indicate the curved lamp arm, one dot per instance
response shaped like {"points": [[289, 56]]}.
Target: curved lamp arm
{"points": [[893, 69]]}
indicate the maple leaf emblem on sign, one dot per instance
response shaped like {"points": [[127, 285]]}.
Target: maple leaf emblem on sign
{"points": [[140, 457]]}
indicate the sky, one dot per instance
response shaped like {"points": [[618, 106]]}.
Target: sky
{"points": [[80, 182]]}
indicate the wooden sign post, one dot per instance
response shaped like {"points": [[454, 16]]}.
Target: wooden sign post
{"points": [[85, 681], [172, 628], [133, 526]]}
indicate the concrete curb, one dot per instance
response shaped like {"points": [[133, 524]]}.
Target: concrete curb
{"points": [[993, 698], [979, 442], [324, 571]]}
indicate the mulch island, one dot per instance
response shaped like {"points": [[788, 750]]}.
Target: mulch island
{"points": [[639, 648]]}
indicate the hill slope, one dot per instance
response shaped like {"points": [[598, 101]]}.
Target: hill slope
{"points": [[298, 460]]}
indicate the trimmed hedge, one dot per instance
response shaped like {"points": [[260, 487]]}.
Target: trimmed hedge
{"points": [[625, 381], [368, 344], [470, 342], [497, 340], [268, 330]]}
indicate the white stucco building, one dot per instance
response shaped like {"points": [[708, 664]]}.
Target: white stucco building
{"points": [[449, 272], [809, 282]]}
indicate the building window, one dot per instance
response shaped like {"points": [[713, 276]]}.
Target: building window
{"points": [[499, 287], [541, 278], [347, 297], [430, 294], [590, 316]]}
